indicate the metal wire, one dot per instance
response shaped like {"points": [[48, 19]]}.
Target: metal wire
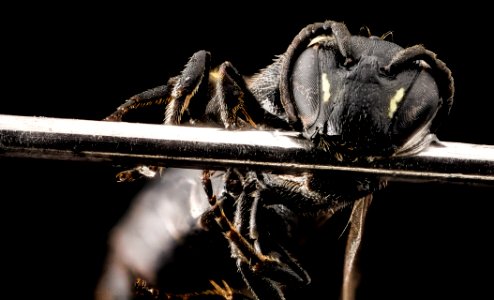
{"points": [[122, 143]]}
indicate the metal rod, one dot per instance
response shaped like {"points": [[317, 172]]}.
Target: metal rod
{"points": [[131, 144]]}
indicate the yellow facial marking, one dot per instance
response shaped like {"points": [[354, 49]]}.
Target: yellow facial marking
{"points": [[326, 87], [393, 102]]}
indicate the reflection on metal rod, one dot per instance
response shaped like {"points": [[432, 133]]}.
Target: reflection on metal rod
{"points": [[132, 144]]}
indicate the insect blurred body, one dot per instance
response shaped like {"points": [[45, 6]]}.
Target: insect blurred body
{"points": [[355, 97]]}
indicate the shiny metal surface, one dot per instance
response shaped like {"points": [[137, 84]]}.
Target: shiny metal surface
{"points": [[193, 147]]}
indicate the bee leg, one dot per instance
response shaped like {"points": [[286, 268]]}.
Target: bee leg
{"points": [[276, 267], [218, 290], [175, 95], [191, 82], [236, 103], [233, 100], [265, 272], [139, 172], [155, 96], [249, 260]]}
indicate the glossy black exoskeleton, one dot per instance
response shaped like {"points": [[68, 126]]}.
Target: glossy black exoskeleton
{"points": [[356, 97]]}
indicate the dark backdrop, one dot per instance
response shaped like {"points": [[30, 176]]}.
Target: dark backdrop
{"points": [[423, 240]]}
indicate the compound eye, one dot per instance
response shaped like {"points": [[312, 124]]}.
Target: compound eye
{"points": [[307, 81], [314, 78], [414, 108]]}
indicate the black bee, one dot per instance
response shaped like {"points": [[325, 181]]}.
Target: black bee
{"points": [[356, 97]]}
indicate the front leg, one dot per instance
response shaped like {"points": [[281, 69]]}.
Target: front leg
{"points": [[175, 97], [157, 96], [192, 82], [236, 105], [237, 102]]}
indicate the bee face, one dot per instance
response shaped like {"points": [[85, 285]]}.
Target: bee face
{"points": [[367, 93]]}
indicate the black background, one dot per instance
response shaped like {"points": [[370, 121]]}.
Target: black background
{"points": [[423, 240]]}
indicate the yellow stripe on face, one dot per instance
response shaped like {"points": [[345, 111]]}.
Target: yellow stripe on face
{"points": [[326, 87], [393, 102]]}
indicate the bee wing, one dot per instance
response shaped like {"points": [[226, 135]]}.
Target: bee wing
{"points": [[352, 251]]}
